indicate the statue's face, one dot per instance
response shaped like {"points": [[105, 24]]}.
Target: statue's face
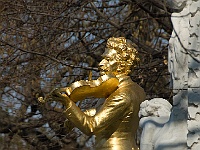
{"points": [[109, 63]]}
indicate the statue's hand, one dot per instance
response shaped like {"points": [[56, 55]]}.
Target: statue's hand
{"points": [[57, 95]]}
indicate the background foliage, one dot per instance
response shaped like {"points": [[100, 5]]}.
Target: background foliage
{"points": [[52, 43]]}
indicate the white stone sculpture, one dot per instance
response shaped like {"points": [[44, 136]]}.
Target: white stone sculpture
{"points": [[154, 114], [182, 130], [184, 66]]}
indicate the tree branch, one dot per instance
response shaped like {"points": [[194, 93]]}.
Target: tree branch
{"points": [[162, 14], [127, 32], [49, 57]]}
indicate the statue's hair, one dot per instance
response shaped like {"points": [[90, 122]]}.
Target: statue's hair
{"points": [[126, 53]]}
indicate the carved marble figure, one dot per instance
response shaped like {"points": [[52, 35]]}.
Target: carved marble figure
{"points": [[154, 114]]}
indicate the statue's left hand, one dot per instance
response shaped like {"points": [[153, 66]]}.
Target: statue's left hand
{"points": [[56, 95]]}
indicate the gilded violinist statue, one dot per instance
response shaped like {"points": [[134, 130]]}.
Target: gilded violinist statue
{"points": [[115, 123]]}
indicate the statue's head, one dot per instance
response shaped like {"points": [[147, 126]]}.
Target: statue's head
{"points": [[155, 107], [119, 56]]}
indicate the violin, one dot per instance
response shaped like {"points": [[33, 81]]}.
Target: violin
{"points": [[101, 88]]}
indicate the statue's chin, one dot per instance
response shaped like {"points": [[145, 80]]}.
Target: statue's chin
{"points": [[105, 73]]}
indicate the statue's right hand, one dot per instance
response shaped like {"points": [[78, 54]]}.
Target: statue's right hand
{"points": [[57, 94]]}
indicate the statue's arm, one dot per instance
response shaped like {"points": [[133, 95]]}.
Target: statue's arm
{"points": [[56, 95], [113, 109], [69, 125]]}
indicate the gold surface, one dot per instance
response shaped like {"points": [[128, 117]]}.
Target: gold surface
{"points": [[100, 88], [116, 122]]}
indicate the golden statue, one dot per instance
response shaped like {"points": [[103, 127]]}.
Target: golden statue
{"points": [[115, 123]]}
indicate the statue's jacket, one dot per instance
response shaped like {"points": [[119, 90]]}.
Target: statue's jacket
{"points": [[115, 123]]}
